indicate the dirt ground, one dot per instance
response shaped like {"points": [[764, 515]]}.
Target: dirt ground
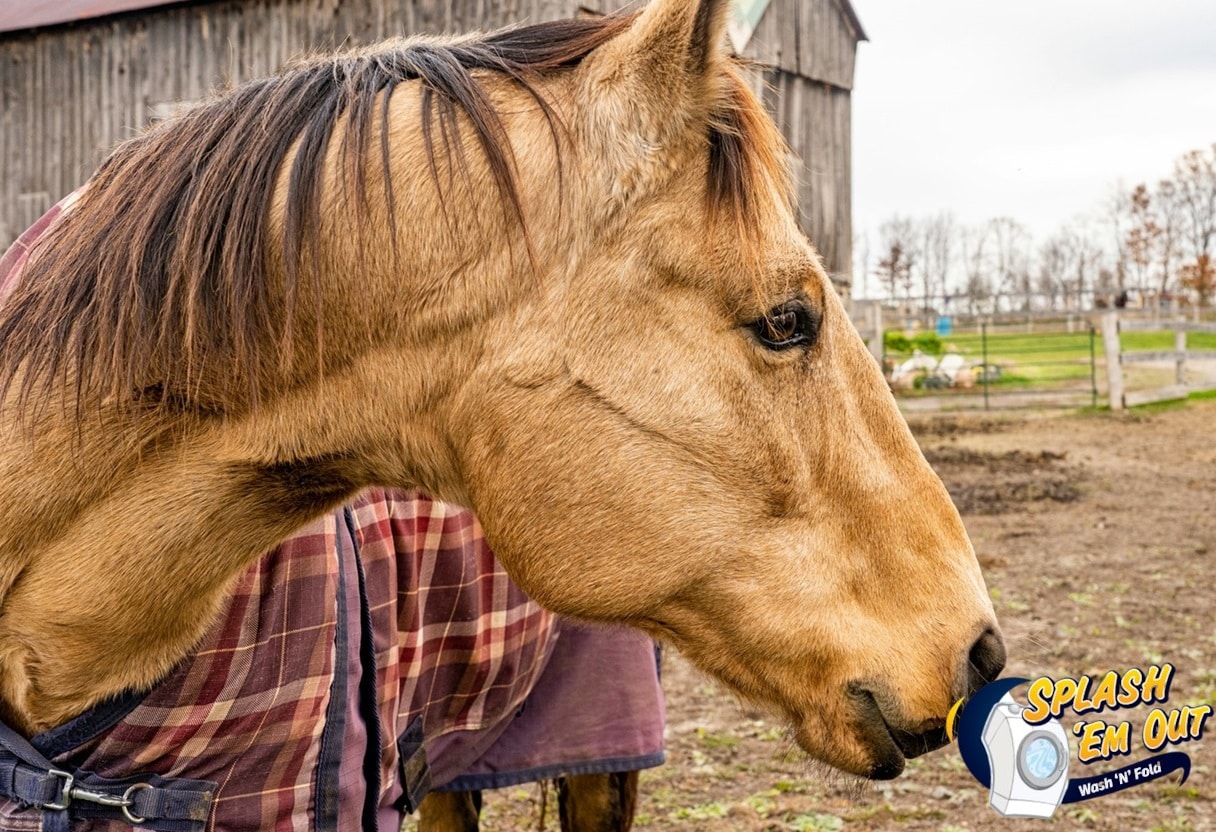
{"points": [[1097, 536]]}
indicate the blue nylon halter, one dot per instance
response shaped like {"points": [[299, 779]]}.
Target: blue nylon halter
{"points": [[147, 801]]}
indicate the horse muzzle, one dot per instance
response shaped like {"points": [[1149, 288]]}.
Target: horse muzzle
{"points": [[890, 740]]}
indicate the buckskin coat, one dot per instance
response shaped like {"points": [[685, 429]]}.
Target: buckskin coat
{"points": [[376, 654]]}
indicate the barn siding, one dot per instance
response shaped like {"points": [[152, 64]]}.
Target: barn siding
{"points": [[68, 94], [816, 121], [811, 39]]}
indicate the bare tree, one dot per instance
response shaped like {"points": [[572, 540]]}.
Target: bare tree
{"points": [[1055, 265], [1117, 214], [1075, 256], [937, 247], [894, 271], [977, 286], [1083, 258], [1106, 284], [1010, 258], [899, 257], [1171, 219], [1195, 177]]}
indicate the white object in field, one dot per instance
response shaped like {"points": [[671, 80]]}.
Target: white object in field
{"points": [[1029, 763], [918, 362], [950, 364]]}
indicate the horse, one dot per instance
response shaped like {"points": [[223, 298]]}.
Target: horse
{"points": [[500, 688], [552, 274]]}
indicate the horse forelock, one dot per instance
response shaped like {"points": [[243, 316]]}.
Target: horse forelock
{"points": [[749, 171], [156, 290]]}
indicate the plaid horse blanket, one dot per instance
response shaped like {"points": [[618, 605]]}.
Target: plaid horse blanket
{"points": [[377, 654]]}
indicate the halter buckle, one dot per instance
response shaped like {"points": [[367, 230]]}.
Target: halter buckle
{"points": [[65, 792]]}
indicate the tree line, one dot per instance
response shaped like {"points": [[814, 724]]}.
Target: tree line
{"points": [[1154, 242]]}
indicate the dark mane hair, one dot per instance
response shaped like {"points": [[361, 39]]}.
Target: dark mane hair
{"points": [[154, 291]]}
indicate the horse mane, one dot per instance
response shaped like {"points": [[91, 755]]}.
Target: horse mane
{"points": [[159, 277]]}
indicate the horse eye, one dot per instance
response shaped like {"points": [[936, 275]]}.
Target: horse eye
{"points": [[786, 326]]}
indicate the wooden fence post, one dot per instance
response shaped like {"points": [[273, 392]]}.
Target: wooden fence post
{"points": [[874, 316], [1114, 366], [1180, 362]]}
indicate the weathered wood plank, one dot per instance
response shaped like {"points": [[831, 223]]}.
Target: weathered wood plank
{"points": [[1127, 325], [1136, 398], [1139, 357], [815, 120], [71, 93]]}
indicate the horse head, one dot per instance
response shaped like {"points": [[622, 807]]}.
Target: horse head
{"points": [[551, 273], [681, 430]]}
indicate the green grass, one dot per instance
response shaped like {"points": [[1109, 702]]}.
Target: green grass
{"points": [[1028, 360], [1157, 407], [1053, 346], [1131, 341], [1028, 347], [1055, 359]]}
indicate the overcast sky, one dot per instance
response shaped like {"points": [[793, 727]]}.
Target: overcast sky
{"points": [[1031, 109]]}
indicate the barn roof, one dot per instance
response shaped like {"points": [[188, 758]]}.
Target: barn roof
{"points": [[16, 15], [854, 21]]}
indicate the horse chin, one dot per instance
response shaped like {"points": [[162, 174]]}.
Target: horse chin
{"points": [[866, 739], [864, 750], [889, 746]]}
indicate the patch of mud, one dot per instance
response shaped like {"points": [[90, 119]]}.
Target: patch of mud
{"points": [[941, 426], [1019, 461], [982, 482], [1000, 498]]}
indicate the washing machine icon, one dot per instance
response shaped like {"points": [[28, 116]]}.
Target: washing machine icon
{"points": [[1029, 763]]}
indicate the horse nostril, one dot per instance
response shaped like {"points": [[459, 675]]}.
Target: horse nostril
{"points": [[985, 661]]}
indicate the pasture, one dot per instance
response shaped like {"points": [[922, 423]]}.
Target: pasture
{"points": [[1041, 365], [1038, 357], [1097, 535], [1045, 357]]}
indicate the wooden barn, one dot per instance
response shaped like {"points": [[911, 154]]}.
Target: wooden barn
{"points": [[79, 76]]}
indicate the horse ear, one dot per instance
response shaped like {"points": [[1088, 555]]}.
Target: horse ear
{"points": [[675, 41], [660, 77]]}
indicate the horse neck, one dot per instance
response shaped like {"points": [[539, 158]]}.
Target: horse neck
{"points": [[118, 540]]}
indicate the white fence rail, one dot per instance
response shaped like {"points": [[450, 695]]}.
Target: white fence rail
{"points": [[1117, 358]]}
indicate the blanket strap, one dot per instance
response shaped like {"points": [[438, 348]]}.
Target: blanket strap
{"points": [[146, 801]]}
